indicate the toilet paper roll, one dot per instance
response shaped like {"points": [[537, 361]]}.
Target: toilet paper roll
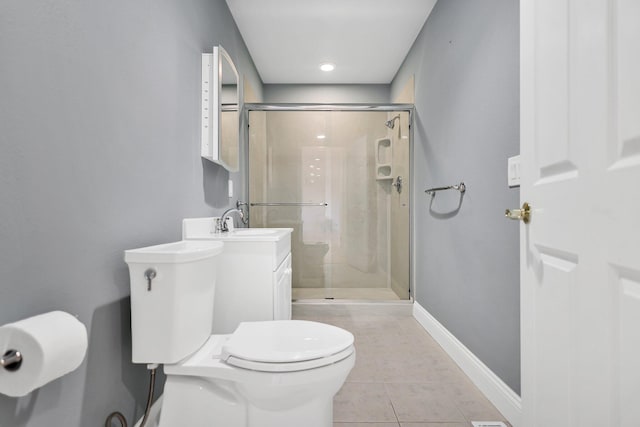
{"points": [[52, 345]]}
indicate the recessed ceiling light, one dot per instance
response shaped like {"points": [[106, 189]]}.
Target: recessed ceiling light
{"points": [[327, 66], [321, 136]]}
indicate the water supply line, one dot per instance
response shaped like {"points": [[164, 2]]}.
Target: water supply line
{"points": [[152, 383], [118, 416], [121, 418]]}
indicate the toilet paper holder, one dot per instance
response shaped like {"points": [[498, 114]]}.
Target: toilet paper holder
{"points": [[11, 360]]}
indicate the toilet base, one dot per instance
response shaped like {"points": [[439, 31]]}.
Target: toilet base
{"points": [[258, 418], [317, 413], [283, 400], [196, 402]]}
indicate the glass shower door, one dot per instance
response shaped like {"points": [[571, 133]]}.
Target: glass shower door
{"points": [[315, 172], [288, 188]]}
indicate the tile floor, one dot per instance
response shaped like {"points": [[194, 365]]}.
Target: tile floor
{"points": [[402, 377]]}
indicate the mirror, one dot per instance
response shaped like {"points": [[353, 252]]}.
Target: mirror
{"points": [[220, 110]]}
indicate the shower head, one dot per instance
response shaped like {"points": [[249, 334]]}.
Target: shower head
{"points": [[391, 123]]}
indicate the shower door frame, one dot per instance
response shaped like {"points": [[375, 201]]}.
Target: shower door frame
{"points": [[408, 108]]}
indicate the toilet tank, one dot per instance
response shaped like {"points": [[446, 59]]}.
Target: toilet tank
{"points": [[172, 290]]}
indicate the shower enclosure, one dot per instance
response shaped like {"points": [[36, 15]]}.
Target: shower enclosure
{"points": [[339, 176]]}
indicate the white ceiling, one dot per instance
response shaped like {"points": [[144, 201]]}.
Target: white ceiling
{"points": [[367, 40]]}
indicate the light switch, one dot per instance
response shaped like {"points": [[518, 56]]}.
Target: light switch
{"points": [[513, 171], [230, 188]]}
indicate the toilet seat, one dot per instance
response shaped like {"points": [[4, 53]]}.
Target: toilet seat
{"points": [[286, 345], [289, 366], [219, 359]]}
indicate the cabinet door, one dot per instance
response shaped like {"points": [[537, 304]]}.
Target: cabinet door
{"points": [[282, 291]]}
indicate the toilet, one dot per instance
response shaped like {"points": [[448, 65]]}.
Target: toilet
{"points": [[276, 373]]}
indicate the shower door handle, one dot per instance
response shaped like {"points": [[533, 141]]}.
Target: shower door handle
{"points": [[289, 204]]}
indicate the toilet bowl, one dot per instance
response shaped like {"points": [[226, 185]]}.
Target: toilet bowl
{"points": [[266, 374]]}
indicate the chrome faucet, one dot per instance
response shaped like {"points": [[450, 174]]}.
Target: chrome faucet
{"points": [[241, 208], [244, 211], [222, 225]]}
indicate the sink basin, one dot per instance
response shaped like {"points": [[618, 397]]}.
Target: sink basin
{"points": [[254, 231], [204, 229]]}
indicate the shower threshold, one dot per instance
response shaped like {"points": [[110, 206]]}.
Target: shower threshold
{"points": [[351, 308], [337, 294]]}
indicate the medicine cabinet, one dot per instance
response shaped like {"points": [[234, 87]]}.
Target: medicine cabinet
{"points": [[220, 110]]}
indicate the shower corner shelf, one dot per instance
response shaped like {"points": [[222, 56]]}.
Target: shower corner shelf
{"points": [[383, 172], [383, 159]]}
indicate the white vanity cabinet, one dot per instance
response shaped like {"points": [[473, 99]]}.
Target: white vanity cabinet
{"points": [[282, 290], [254, 273]]}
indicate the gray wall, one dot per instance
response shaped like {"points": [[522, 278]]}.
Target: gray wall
{"points": [[465, 63], [306, 94], [99, 152]]}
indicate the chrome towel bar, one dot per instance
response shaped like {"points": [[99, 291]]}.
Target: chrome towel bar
{"points": [[460, 187], [288, 204]]}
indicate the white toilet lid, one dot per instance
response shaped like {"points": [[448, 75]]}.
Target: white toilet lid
{"points": [[271, 345]]}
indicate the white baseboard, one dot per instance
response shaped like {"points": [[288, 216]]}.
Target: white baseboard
{"points": [[502, 397]]}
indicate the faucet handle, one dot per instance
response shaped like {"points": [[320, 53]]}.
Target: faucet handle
{"points": [[243, 207], [218, 225]]}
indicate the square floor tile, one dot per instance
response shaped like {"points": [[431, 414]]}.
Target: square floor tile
{"points": [[363, 402], [435, 424], [423, 403], [473, 404], [402, 376], [365, 425]]}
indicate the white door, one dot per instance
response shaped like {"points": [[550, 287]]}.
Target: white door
{"points": [[580, 254]]}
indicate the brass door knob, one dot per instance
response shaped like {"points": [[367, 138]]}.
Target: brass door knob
{"points": [[524, 214]]}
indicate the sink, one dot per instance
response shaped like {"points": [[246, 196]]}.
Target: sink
{"points": [[204, 229], [254, 231], [245, 240]]}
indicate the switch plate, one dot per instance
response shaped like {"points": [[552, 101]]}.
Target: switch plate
{"points": [[513, 171], [230, 188]]}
